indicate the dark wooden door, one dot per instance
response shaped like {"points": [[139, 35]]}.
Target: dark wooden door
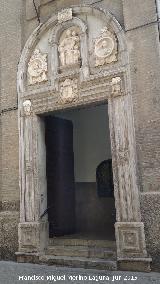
{"points": [[60, 176]]}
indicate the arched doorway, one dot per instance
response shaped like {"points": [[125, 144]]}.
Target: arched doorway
{"points": [[66, 64]]}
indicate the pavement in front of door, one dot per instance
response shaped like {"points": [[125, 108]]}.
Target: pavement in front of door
{"points": [[13, 273]]}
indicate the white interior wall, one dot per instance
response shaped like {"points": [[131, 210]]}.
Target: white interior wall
{"points": [[91, 140]]}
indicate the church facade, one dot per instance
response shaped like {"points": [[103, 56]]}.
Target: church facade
{"points": [[80, 135]]}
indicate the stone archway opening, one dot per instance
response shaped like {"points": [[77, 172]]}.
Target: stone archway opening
{"points": [[66, 63], [77, 141]]}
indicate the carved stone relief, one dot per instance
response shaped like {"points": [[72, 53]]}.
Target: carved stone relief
{"points": [[65, 15], [69, 48], [105, 50], [130, 239], [123, 156], [116, 86], [27, 107], [29, 236], [69, 90], [37, 68]]}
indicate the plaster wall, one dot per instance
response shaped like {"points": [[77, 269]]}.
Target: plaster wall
{"points": [[91, 140]]}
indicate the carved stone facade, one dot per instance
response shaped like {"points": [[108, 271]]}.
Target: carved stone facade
{"points": [[80, 56], [72, 82]]}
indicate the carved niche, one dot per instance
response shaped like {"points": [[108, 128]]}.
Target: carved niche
{"points": [[69, 90], [37, 68], [105, 49], [69, 48]]}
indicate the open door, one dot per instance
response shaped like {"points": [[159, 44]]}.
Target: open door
{"points": [[60, 176]]}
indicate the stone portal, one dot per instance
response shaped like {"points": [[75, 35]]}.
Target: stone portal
{"points": [[96, 71]]}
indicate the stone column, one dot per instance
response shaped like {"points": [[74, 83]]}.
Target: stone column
{"points": [[130, 238], [33, 232]]}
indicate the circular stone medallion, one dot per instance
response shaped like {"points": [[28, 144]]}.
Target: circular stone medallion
{"points": [[104, 47]]}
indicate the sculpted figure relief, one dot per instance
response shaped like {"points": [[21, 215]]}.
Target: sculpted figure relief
{"points": [[27, 105], [37, 68], [69, 48], [105, 48], [69, 90], [116, 86]]}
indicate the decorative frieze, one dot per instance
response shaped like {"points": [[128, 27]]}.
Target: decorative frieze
{"points": [[65, 15], [69, 90], [105, 49], [37, 68]]}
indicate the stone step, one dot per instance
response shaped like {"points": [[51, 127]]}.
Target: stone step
{"points": [[62, 241], [79, 262], [82, 251]]}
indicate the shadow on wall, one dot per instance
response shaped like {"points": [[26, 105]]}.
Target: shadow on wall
{"points": [[94, 215]]}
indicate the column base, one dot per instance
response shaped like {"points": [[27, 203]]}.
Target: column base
{"points": [[131, 247], [33, 237], [133, 264], [130, 240]]}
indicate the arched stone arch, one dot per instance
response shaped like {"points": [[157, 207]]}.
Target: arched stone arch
{"points": [[108, 81]]}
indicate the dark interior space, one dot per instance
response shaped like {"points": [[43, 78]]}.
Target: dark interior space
{"points": [[79, 174], [60, 176]]}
